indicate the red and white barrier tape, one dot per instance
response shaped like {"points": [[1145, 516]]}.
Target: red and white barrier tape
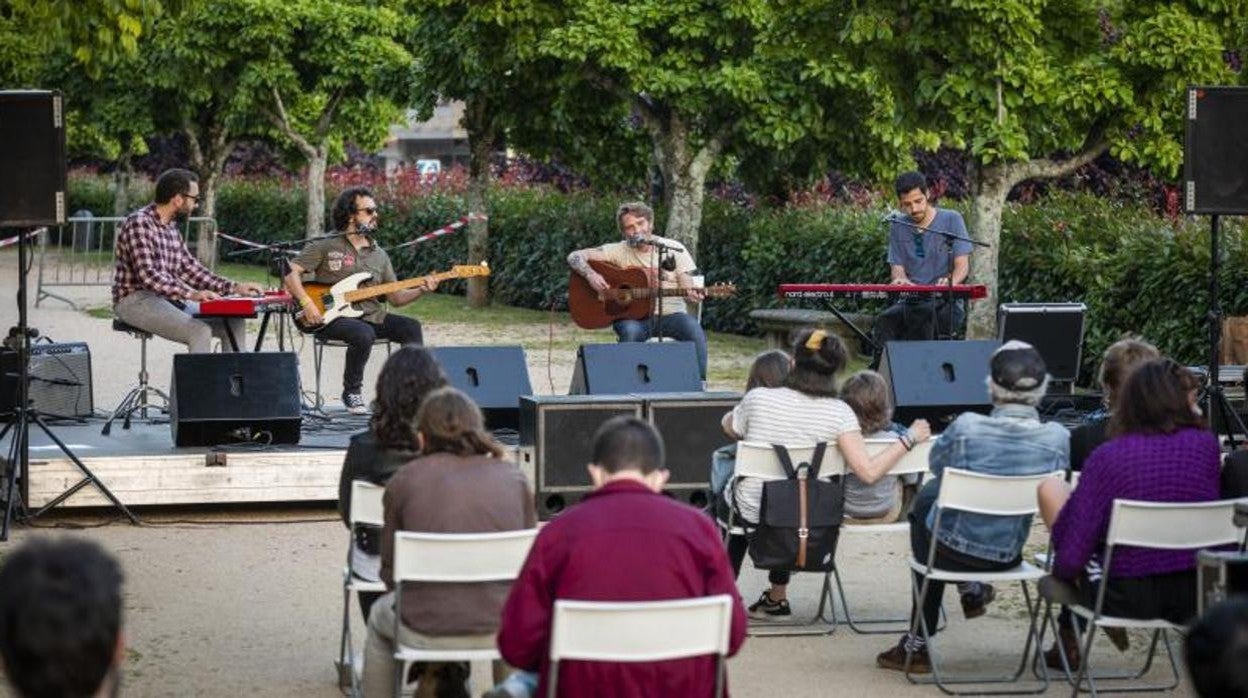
{"points": [[240, 241], [444, 230], [13, 240]]}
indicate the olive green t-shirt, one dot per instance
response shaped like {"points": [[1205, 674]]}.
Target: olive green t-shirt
{"points": [[333, 259]]}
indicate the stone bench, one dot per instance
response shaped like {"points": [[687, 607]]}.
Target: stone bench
{"points": [[778, 325]]}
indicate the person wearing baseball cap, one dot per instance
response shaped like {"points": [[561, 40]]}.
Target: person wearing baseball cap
{"points": [[1011, 440]]}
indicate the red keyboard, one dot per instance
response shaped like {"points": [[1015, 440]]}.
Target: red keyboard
{"points": [[885, 291], [245, 306]]}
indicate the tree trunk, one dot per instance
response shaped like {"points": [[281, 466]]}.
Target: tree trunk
{"points": [[684, 171], [481, 131], [121, 180], [990, 186], [318, 162], [208, 162]]}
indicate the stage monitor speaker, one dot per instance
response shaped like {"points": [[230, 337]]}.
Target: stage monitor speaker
{"points": [[636, 367], [60, 380], [235, 397], [691, 427], [937, 380], [32, 148], [1215, 149], [1054, 329], [556, 443], [494, 377]]}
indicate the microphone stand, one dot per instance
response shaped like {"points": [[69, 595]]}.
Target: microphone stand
{"points": [[948, 238]]}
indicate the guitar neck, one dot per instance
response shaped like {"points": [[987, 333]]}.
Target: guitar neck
{"points": [[651, 292], [383, 289]]}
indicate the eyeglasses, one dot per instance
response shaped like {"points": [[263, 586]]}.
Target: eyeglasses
{"points": [[370, 210], [192, 197]]}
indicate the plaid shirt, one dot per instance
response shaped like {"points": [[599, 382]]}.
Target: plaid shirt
{"points": [[151, 256]]}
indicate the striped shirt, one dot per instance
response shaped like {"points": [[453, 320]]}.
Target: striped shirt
{"points": [[151, 256], [785, 416]]}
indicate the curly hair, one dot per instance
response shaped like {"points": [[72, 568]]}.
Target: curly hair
{"points": [[450, 422], [407, 377], [344, 206]]}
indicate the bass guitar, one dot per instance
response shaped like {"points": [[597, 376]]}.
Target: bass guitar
{"points": [[339, 300], [630, 295]]}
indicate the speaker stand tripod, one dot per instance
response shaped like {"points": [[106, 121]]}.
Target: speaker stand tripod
{"points": [[1216, 402], [17, 476]]}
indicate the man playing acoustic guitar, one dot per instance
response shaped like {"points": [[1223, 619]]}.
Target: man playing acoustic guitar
{"points": [[333, 259], [661, 258]]}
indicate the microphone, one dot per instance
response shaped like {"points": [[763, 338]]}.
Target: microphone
{"points": [[640, 241]]}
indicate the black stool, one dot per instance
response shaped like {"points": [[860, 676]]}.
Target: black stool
{"points": [[137, 399]]}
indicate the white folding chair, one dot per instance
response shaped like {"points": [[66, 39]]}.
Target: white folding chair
{"points": [[640, 631], [366, 509], [1159, 525], [452, 558], [913, 462], [991, 495], [759, 461]]}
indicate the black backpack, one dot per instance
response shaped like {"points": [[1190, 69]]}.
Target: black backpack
{"points": [[799, 517]]}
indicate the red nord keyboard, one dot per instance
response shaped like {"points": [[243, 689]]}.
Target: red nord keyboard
{"points": [[245, 306], [885, 291]]}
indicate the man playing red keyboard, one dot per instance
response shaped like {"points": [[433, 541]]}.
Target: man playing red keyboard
{"points": [[916, 255], [158, 284]]}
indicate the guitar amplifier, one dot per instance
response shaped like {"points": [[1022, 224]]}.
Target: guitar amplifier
{"points": [[60, 380]]}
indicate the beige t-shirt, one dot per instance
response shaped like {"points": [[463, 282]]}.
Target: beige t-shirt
{"points": [[621, 255]]}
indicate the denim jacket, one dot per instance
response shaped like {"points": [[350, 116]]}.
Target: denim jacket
{"points": [[1010, 441]]}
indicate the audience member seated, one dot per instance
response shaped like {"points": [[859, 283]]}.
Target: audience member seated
{"points": [[1217, 650], [1119, 360], [1160, 451], [806, 410], [390, 443], [624, 542], [769, 370], [1010, 441], [459, 484], [866, 393], [60, 620]]}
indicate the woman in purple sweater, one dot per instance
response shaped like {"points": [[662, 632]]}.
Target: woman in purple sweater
{"points": [[1159, 451]]}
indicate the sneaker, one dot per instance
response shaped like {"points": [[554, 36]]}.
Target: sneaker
{"points": [[894, 658], [354, 403], [975, 603], [765, 607]]}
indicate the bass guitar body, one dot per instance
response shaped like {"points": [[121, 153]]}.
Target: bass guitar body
{"points": [[332, 301]]}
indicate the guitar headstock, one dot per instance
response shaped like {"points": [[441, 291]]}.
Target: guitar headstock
{"points": [[464, 271]]}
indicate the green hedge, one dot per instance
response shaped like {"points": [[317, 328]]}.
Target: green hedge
{"points": [[1138, 274]]}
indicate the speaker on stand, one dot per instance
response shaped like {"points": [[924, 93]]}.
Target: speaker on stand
{"points": [[1216, 183]]}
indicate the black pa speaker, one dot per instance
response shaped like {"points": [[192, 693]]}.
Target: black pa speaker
{"points": [[60, 380], [235, 396], [691, 425], [636, 367], [32, 148], [937, 380], [1215, 151], [556, 440], [1054, 329], [494, 377]]}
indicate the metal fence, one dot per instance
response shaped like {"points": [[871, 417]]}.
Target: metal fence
{"points": [[80, 253]]}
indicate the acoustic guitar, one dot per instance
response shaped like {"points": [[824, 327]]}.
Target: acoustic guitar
{"points": [[630, 295], [339, 300]]}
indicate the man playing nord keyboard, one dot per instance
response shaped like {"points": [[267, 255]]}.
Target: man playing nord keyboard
{"points": [[919, 255], [158, 284]]}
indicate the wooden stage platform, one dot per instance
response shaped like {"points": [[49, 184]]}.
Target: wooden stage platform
{"points": [[142, 467]]}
